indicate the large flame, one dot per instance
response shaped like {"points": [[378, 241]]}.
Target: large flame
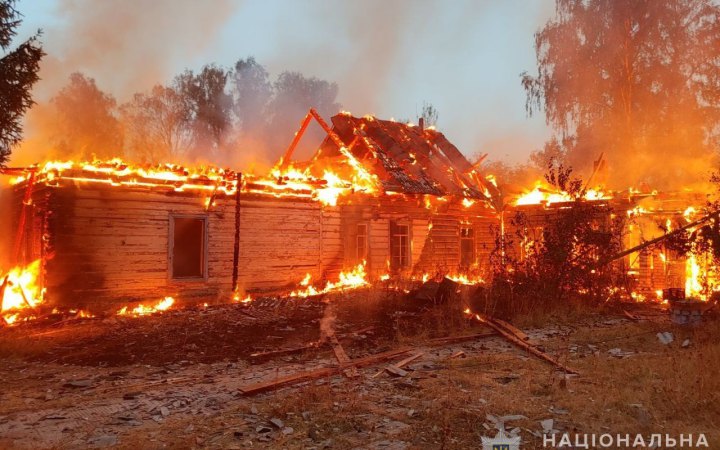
{"points": [[22, 291], [542, 194], [117, 172], [352, 279]]}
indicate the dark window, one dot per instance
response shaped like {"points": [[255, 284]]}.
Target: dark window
{"points": [[399, 246], [361, 242], [467, 246], [188, 247]]}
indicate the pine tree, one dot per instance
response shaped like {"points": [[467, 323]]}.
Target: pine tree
{"points": [[18, 72]]}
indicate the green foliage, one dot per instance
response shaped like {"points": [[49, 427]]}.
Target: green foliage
{"points": [[18, 73], [545, 257], [639, 81], [86, 124]]}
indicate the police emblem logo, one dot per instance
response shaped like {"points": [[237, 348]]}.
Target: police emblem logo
{"points": [[501, 442]]}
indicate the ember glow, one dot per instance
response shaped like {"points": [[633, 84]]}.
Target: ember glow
{"points": [[465, 279], [142, 310], [119, 173], [352, 279], [542, 194], [21, 291]]}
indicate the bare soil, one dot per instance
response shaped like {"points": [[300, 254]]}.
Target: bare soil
{"points": [[174, 380]]}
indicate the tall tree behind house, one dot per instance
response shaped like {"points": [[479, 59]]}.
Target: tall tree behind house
{"points": [[18, 73], [637, 80], [251, 90], [208, 106], [157, 126], [294, 94], [86, 122]]}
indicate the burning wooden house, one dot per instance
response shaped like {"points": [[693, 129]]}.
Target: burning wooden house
{"points": [[378, 198], [654, 266]]}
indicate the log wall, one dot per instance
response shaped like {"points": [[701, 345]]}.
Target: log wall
{"points": [[111, 245], [435, 233], [107, 246], [283, 240]]}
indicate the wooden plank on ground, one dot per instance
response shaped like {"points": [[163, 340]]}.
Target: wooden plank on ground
{"points": [[342, 357], [454, 339], [318, 373], [284, 351], [396, 369], [519, 342]]}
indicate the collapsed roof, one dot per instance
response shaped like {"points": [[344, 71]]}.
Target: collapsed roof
{"points": [[406, 158]]}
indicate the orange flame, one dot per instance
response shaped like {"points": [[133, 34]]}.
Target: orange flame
{"points": [[542, 194], [349, 280], [142, 310], [22, 291]]}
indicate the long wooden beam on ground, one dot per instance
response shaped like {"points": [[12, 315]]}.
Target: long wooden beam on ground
{"points": [[455, 339], [342, 357], [319, 373], [518, 341]]}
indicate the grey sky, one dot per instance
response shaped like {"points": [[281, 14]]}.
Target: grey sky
{"points": [[463, 56]]}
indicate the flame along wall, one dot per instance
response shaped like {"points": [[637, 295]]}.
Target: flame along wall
{"points": [[106, 245], [660, 266], [646, 217], [436, 229]]}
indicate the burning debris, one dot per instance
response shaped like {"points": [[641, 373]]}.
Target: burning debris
{"points": [[142, 310], [21, 293], [347, 280]]}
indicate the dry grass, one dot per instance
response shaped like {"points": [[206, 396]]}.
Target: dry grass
{"points": [[660, 389]]}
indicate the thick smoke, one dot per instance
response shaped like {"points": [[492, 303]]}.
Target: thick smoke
{"points": [[126, 45], [129, 45]]}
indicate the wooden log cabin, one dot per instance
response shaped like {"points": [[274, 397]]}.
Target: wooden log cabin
{"points": [[121, 238]]}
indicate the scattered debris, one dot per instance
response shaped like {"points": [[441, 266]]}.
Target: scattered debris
{"points": [[619, 353], [514, 336], [78, 383], [397, 368], [665, 337], [547, 426]]}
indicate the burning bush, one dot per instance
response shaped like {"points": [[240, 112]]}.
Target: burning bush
{"points": [[549, 256]]}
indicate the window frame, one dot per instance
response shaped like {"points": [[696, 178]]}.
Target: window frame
{"points": [[358, 257], [171, 247], [408, 256], [471, 238]]}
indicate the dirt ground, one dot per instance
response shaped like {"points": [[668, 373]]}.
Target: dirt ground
{"points": [[176, 379]]}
